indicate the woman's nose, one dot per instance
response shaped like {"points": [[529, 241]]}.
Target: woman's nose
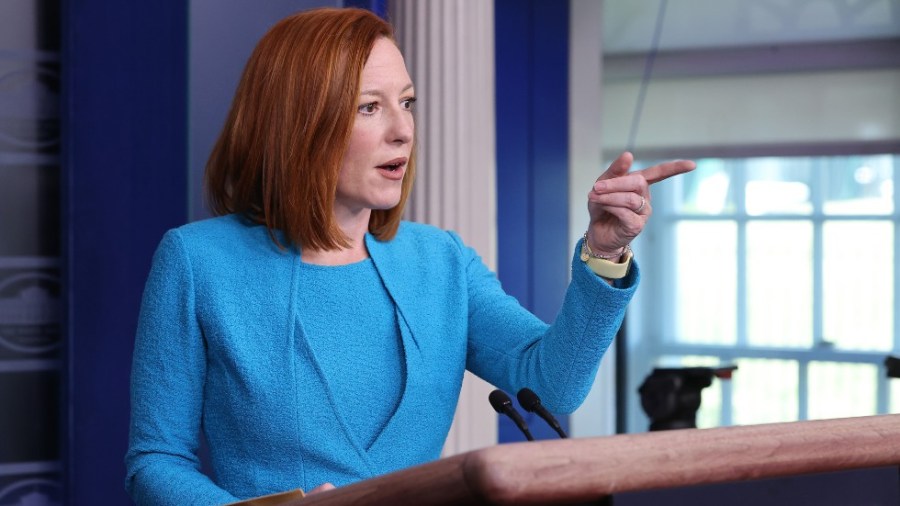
{"points": [[402, 127]]}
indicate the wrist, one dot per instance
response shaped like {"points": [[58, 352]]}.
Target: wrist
{"points": [[614, 256], [606, 268]]}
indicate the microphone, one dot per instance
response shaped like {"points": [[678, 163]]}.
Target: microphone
{"points": [[532, 403], [503, 404]]}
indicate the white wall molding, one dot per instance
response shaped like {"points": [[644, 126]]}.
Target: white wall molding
{"points": [[449, 50]]}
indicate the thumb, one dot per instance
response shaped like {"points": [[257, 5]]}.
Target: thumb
{"points": [[619, 167], [321, 488]]}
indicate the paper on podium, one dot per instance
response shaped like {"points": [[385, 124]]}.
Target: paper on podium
{"points": [[271, 499]]}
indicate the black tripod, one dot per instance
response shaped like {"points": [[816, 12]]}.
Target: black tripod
{"points": [[671, 397]]}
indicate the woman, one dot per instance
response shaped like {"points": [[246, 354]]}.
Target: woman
{"points": [[311, 335]]}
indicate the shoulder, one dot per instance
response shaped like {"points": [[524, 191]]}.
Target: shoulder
{"points": [[421, 231], [219, 239], [429, 238], [223, 232], [418, 247], [415, 229], [230, 225]]}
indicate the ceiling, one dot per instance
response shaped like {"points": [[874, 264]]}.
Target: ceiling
{"points": [[628, 25]]}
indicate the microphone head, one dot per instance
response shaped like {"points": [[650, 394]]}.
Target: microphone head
{"points": [[500, 401], [528, 399]]}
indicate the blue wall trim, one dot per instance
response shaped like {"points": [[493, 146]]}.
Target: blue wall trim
{"points": [[532, 58], [124, 163], [379, 7]]}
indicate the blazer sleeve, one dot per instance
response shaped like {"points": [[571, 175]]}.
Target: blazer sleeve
{"points": [[511, 348], [168, 374]]}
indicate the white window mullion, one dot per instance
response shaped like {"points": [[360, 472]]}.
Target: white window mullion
{"points": [[885, 384], [882, 400], [818, 217], [803, 387], [741, 218]]}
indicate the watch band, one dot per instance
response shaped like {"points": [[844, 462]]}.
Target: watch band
{"points": [[606, 268]]}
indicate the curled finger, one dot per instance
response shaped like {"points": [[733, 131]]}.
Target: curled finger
{"points": [[630, 201], [629, 224]]}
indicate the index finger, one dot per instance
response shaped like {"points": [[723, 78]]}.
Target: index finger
{"points": [[666, 170]]}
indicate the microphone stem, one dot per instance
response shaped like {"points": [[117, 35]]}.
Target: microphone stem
{"points": [[553, 423], [561, 432], [527, 433], [520, 423]]}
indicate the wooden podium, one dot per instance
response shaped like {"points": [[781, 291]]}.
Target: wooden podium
{"points": [[581, 470]]}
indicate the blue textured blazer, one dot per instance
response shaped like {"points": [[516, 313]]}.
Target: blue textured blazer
{"points": [[220, 349]]}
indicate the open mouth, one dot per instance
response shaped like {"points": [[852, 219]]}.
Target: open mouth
{"points": [[391, 166]]}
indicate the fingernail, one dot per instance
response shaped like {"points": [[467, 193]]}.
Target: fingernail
{"points": [[600, 186]]}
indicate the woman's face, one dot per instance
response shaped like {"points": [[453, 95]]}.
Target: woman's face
{"points": [[375, 162]]}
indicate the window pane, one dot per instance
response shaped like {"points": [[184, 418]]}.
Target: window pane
{"points": [[838, 390], [706, 311], [858, 185], [858, 295], [779, 283], [778, 186], [707, 189], [765, 391]]}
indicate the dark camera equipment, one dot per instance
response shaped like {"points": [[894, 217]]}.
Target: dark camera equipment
{"points": [[893, 366], [671, 396]]}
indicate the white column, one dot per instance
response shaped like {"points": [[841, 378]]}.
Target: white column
{"points": [[596, 417], [449, 49]]}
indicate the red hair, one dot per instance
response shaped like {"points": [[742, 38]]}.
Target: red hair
{"points": [[279, 154]]}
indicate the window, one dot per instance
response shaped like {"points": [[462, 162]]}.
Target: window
{"points": [[782, 266]]}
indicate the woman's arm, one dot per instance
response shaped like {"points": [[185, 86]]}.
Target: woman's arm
{"points": [[511, 348], [167, 381]]}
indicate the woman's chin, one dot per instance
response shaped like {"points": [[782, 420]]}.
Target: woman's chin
{"points": [[386, 204]]}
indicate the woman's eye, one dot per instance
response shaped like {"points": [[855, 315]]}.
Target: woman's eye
{"points": [[408, 103], [369, 108]]}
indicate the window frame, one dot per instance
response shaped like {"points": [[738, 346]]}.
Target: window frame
{"points": [[644, 338]]}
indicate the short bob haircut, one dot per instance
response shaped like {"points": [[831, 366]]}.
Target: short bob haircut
{"points": [[279, 154]]}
